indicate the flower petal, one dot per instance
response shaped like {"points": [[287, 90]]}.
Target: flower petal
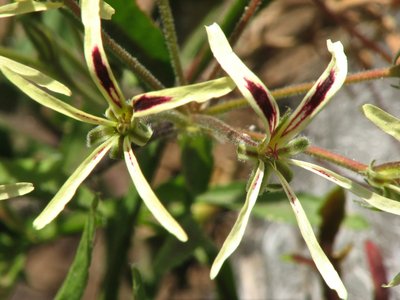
{"points": [[321, 261], [372, 198], [96, 58], [148, 196], [35, 76], [67, 191], [154, 102], [385, 121], [256, 93], [23, 7], [106, 10], [319, 95], [42, 97], [237, 232], [15, 189]]}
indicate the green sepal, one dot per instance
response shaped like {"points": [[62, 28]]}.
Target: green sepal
{"points": [[382, 175], [116, 151], [246, 152], [284, 169], [140, 133], [295, 146], [99, 134]]}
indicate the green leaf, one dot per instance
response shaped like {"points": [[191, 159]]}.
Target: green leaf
{"points": [[197, 162], [75, 283], [226, 196], [172, 253], [385, 121], [137, 285], [15, 189]]}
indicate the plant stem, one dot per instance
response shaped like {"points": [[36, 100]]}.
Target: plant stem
{"points": [[337, 159], [393, 71], [171, 40], [132, 62]]}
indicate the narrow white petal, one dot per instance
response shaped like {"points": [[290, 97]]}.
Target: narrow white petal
{"points": [[69, 188], [318, 96], [252, 88], [45, 99], [149, 198], [372, 198], [321, 261], [237, 232], [388, 123], [15, 189], [95, 56], [157, 101], [27, 6], [34, 76]]}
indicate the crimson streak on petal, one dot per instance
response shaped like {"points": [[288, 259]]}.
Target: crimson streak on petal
{"points": [[264, 102], [312, 103], [104, 77], [146, 102]]}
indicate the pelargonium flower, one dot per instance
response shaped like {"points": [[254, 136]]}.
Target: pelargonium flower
{"points": [[122, 126], [11, 190], [274, 154]]}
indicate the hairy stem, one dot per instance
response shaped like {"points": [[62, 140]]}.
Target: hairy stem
{"points": [[171, 40], [393, 71]]}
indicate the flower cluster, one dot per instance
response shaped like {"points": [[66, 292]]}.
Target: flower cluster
{"points": [[273, 154], [122, 126]]}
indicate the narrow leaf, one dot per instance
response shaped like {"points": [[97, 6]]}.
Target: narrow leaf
{"points": [[385, 121], [319, 95], [15, 189], [148, 196], [154, 102], [321, 261], [197, 162], [256, 93], [67, 191], [75, 283], [44, 98], [96, 58], [27, 6], [237, 232], [372, 198]]}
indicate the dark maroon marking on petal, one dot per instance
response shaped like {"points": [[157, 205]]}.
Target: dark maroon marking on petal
{"points": [[146, 102], [312, 103], [263, 101], [104, 77]]}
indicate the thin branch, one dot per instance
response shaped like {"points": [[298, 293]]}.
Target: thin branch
{"points": [[302, 88]]}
